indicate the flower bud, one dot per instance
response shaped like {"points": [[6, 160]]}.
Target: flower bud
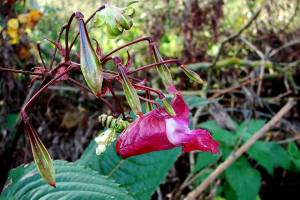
{"points": [[105, 139], [89, 63], [41, 156], [116, 19], [100, 149], [191, 74], [168, 107]]}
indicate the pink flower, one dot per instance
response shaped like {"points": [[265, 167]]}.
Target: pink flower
{"points": [[157, 130]]}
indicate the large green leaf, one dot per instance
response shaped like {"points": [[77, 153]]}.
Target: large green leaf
{"points": [[243, 179], [269, 155], [140, 175], [246, 130], [203, 160], [73, 182], [294, 153]]}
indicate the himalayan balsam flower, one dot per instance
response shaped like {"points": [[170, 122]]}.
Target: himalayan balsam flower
{"points": [[157, 130]]}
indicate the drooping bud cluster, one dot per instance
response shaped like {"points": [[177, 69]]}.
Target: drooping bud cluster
{"points": [[116, 19], [105, 139], [111, 122]]}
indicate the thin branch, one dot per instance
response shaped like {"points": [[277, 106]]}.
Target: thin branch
{"points": [[288, 140], [150, 101], [178, 62], [235, 155], [67, 57], [40, 54], [20, 71], [257, 51], [149, 39], [55, 48], [108, 83], [286, 45], [234, 88]]}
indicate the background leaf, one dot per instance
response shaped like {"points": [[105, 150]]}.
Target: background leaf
{"points": [[221, 135], [253, 127], [269, 155], [203, 160], [140, 175], [72, 182], [196, 101], [243, 179]]}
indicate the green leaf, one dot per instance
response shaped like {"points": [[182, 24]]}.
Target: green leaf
{"points": [[269, 155], [253, 127], [202, 176], [11, 119], [203, 160], [293, 150], [140, 175], [220, 135], [196, 101], [243, 179], [73, 182]]}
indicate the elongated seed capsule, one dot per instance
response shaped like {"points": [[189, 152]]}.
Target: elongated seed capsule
{"points": [[41, 156], [89, 63]]}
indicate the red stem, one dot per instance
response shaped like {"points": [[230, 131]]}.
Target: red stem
{"points": [[55, 48], [87, 21], [159, 93], [40, 54], [150, 101], [116, 98], [89, 90], [27, 106], [149, 39], [21, 71], [178, 62], [67, 57]]}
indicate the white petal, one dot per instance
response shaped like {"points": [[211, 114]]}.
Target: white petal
{"points": [[176, 129]]}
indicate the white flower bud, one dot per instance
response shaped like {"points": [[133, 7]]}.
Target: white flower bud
{"points": [[100, 149], [102, 138]]}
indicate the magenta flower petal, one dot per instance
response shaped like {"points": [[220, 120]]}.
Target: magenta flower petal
{"points": [[146, 134], [178, 103], [157, 130], [200, 140]]}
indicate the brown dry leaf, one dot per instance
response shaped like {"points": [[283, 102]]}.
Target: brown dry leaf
{"points": [[15, 75], [23, 53], [73, 117]]}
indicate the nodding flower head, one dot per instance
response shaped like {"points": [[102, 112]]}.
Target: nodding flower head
{"points": [[158, 130]]}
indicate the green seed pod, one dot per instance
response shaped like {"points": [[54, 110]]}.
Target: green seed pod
{"points": [[89, 63], [129, 91], [191, 74], [168, 107], [163, 69], [41, 156]]}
